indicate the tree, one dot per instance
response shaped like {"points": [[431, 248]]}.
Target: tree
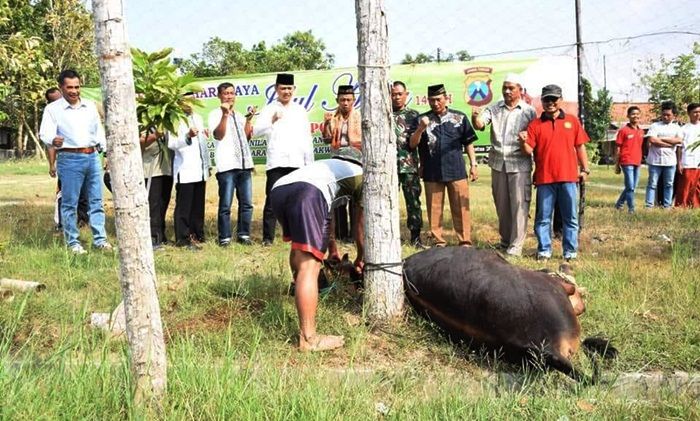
{"points": [[596, 111], [297, 51], [677, 80], [420, 58], [38, 40], [137, 271], [383, 280], [160, 91], [463, 55]]}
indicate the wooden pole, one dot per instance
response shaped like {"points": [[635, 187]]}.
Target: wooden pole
{"points": [[383, 279], [137, 272]]}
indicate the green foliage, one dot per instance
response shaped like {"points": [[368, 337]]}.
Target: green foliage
{"points": [[159, 91], [297, 51], [39, 39], [596, 113], [461, 55], [677, 80]]}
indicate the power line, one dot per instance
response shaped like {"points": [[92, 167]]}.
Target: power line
{"points": [[552, 47]]}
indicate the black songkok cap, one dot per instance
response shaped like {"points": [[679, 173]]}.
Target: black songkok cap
{"points": [[346, 89], [434, 90], [284, 79]]}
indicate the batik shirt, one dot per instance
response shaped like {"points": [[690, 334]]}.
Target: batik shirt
{"points": [[404, 121], [442, 146]]}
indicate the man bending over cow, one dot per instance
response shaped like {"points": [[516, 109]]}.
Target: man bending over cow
{"points": [[302, 202]]}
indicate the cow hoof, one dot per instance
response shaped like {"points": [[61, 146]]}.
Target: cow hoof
{"points": [[320, 343]]}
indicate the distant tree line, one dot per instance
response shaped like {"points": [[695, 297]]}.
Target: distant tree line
{"points": [[296, 51]]}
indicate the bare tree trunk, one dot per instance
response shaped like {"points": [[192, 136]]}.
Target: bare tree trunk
{"points": [[38, 145], [384, 293], [20, 140], [137, 272]]}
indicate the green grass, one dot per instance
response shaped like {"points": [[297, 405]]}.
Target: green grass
{"points": [[230, 328]]}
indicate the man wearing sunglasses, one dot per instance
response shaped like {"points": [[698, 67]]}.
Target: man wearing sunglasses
{"points": [[557, 142]]}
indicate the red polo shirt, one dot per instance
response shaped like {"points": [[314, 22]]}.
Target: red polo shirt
{"points": [[554, 142], [630, 140]]}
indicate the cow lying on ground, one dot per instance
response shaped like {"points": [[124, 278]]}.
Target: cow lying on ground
{"points": [[477, 296]]}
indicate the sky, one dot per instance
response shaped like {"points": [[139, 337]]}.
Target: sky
{"points": [[488, 29]]}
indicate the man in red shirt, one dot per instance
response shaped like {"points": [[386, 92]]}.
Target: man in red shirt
{"points": [[557, 142], [629, 156]]}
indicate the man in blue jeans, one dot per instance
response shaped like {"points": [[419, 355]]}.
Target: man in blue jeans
{"points": [[234, 165], [557, 142], [664, 136], [72, 126]]}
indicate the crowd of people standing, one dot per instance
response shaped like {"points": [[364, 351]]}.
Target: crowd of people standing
{"points": [[307, 197]]}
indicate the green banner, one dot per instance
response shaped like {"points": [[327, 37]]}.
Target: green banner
{"points": [[468, 84]]}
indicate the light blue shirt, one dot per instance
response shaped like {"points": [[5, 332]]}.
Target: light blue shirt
{"points": [[80, 125]]}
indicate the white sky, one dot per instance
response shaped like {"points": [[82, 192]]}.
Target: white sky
{"points": [[478, 26]]}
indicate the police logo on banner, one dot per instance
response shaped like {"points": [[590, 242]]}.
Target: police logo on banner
{"points": [[477, 82]]}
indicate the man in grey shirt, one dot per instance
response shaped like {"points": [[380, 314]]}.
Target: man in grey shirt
{"points": [[511, 169]]}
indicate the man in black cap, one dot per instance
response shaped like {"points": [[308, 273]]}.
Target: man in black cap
{"points": [[557, 142], [442, 136], [285, 125], [342, 129]]}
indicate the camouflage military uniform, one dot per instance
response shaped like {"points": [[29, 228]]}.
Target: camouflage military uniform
{"points": [[408, 169]]}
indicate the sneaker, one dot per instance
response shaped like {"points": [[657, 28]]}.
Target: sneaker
{"points": [[570, 256], [543, 257], [77, 249], [267, 243], [225, 242], [246, 241], [158, 247], [104, 247], [513, 251]]}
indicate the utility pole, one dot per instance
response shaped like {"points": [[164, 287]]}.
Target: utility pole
{"points": [[579, 59], [383, 278], [438, 55], [605, 75]]}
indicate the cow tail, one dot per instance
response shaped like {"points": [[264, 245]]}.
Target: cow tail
{"points": [[595, 347]]}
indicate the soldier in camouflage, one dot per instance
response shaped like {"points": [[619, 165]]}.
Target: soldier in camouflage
{"points": [[404, 119]]}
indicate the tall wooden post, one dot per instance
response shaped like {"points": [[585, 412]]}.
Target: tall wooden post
{"points": [[137, 272], [383, 280]]}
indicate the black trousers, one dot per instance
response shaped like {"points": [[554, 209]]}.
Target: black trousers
{"points": [[159, 193], [269, 221], [189, 212]]}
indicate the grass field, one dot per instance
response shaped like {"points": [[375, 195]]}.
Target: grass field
{"points": [[230, 326]]}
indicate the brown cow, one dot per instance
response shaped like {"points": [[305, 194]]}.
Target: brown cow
{"points": [[477, 296]]}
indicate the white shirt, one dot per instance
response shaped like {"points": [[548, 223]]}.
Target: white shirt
{"points": [[338, 180], [289, 141], [79, 124], [191, 162], [690, 133], [232, 151], [664, 157]]}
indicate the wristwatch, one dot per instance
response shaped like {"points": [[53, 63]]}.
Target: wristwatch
{"points": [[586, 170]]}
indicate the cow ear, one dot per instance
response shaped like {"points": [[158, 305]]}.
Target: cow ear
{"points": [[345, 258]]}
